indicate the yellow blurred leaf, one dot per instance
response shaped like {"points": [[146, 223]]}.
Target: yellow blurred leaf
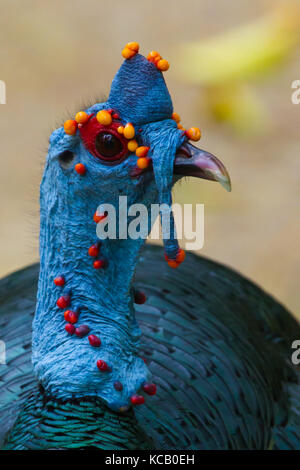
{"points": [[246, 52]]}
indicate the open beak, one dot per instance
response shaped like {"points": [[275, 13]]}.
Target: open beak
{"points": [[191, 161]]}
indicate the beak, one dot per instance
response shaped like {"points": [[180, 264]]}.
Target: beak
{"points": [[191, 161]]}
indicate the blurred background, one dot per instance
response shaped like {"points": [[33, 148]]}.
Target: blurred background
{"points": [[232, 66]]}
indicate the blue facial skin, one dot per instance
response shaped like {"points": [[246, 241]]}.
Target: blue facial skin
{"points": [[66, 365]]}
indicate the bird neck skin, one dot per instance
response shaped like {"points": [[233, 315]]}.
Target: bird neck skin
{"points": [[66, 365]]}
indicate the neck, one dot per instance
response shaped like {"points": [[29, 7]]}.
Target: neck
{"points": [[65, 364]]}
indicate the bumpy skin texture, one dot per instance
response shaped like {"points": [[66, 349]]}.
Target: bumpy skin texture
{"points": [[66, 365], [217, 346], [139, 92]]}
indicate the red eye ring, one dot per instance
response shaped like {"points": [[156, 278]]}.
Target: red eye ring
{"points": [[91, 133]]}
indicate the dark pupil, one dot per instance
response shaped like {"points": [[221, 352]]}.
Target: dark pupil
{"points": [[108, 145]]}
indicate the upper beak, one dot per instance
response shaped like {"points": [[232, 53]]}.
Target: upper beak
{"points": [[191, 161]]}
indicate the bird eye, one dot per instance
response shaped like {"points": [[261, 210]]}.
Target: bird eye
{"points": [[108, 145]]}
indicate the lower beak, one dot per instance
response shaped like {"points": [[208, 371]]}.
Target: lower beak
{"points": [[191, 161]]}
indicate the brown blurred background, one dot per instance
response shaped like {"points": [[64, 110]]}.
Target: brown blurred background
{"points": [[55, 55]]}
